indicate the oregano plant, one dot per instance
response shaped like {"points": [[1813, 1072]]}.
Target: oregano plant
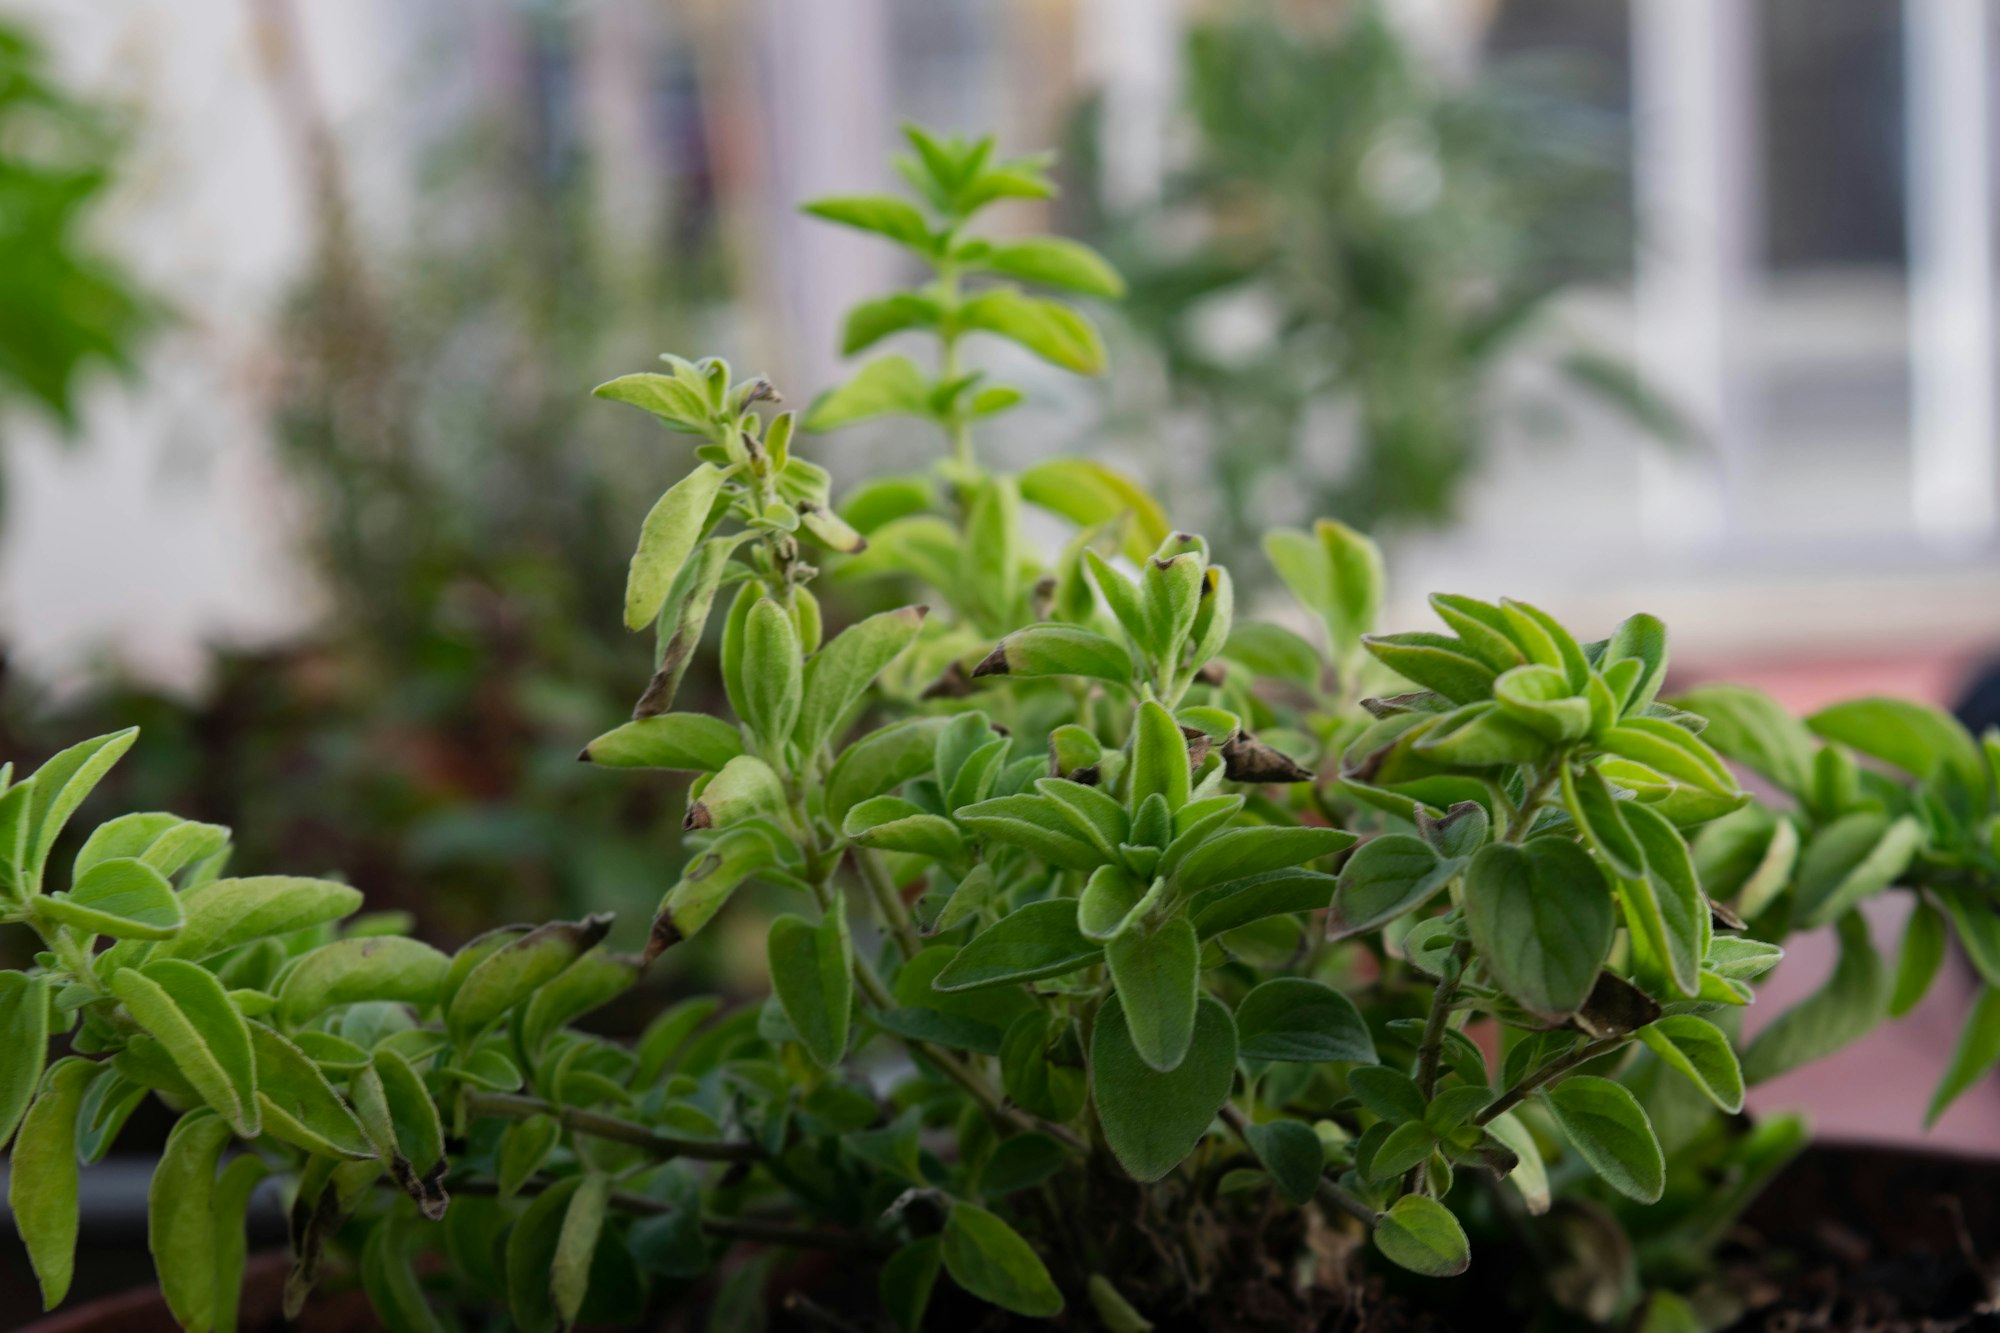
{"points": [[1123, 953]]}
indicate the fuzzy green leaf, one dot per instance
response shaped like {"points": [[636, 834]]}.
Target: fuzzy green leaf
{"points": [[1699, 1050], [1032, 942], [1542, 920], [41, 1187], [374, 967], [812, 972], [689, 742], [889, 385], [186, 1009], [1420, 1234], [1157, 972], [1610, 1131], [1152, 1120], [839, 674], [678, 520], [1975, 1054], [1057, 333], [1293, 1018], [180, 1217], [1293, 1155], [1387, 877], [24, 1034], [989, 1259]]}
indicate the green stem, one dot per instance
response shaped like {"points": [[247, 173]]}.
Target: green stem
{"points": [[600, 1126], [889, 902], [730, 1228], [1548, 1073]]}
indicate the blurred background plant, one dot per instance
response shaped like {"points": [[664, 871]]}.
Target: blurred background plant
{"points": [[66, 305], [1350, 284]]}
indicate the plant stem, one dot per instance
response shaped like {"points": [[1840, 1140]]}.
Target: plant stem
{"points": [[731, 1228], [1531, 802], [1431, 1050], [1328, 1190], [1511, 1098], [895, 915], [598, 1125]]}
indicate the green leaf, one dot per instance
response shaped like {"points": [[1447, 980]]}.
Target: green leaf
{"points": [[1089, 493], [812, 967], [1754, 729], [531, 1255], [1542, 699], [1542, 921], [906, 1282], [1159, 758], [688, 742], [41, 1186], [840, 673], [868, 322], [1157, 973], [1388, 876], [1924, 942], [770, 680], [402, 1120], [1041, 1066], [1600, 818], [1923, 742], [1978, 931], [1847, 1006], [1609, 1130], [1055, 332], [1295, 1019], [1036, 823], [678, 520], [1408, 1144], [1336, 573], [509, 975], [1699, 1050], [880, 762], [889, 385], [1675, 914], [186, 1009], [1293, 1155], [374, 967], [1152, 1120], [706, 884], [1671, 751], [1973, 1057], [989, 1259], [123, 897], [224, 913], [1057, 650], [881, 214], [1275, 893], [1055, 261], [1389, 1093], [677, 400], [1851, 858], [1530, 1175], [1642, 639], [1241, 853], [181, 1223], [1115, 1312], [24, 1034], [592, 981], [298, 1105], [1036, 941], [1420, 1234], [59, 787], [390, 1278], [231, 1205], [576, 1244]]}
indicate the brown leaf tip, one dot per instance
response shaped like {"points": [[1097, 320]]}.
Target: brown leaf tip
{"points": [[994, 663]]}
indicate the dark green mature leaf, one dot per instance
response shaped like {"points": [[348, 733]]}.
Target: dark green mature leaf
{"points": [[1041, 1066], [1152, 1120], [41, 1185], [1035, 823], [1407, 1145], [180, 1217], [1389, 1093], [1699, 1050], [1849, 859], [880, 762], [1292, 1153], [906, 1282], [531, 1254], [689, 742], [1600, 818], [373, 967], [576, 1245], [1542, 921], [989, 1259], [1241, 853], [1974, 1056], [1675, 916], [1032, 942], [1754, 729], [1157, 971], [1924, 942], [1609, 1129], [812, 967], [1848, 1006], [186, 1009], [1274, 893], [678, 520], [1420, 1234], [1388, 876], [389, 1277], [1293, 1018], [24, 1035], [1530, 1175], [224, 913]]}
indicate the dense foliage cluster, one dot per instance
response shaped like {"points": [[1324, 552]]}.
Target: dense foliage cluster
{"points": [[1116, 928]]}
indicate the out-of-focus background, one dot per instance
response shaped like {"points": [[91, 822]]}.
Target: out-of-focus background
{"points": [[1676, 305]]}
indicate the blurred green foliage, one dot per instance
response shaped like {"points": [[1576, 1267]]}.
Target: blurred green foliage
{"points": [[65, 304], [1380, 242]]}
